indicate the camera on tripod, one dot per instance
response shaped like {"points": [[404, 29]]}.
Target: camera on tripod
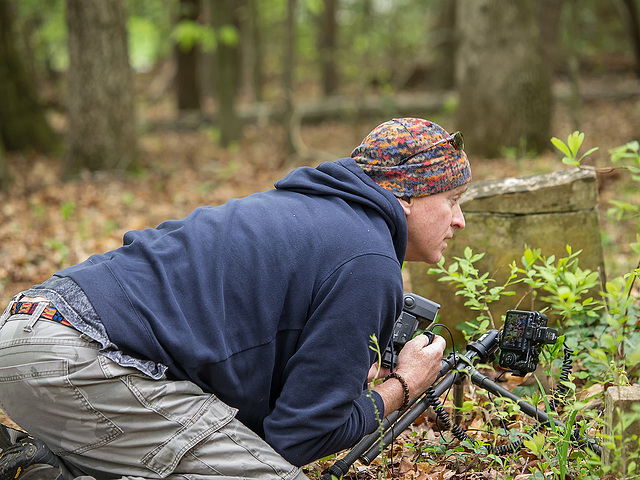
{"points": [[414, 309], [521, 339]]}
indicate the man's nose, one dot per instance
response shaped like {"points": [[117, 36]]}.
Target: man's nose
{"points": [[458, 219]]}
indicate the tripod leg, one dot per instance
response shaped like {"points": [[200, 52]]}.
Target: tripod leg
{"points": [[408, 417], [485, 382], [541, 417], [458, 399]]}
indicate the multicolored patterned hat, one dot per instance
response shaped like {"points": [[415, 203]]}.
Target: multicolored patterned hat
{"points": [[412, 157]]}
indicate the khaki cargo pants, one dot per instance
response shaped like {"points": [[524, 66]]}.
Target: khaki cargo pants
{"points": [[108, 421]]}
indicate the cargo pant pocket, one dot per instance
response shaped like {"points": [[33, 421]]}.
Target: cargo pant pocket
{"points": [[208, 440], [181, 403], [41, 399]]}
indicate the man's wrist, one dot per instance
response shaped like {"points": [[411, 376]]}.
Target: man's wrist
{"points": [[405, 388]]}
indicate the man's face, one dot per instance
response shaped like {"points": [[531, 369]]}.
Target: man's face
{"points": [[431, 221]]}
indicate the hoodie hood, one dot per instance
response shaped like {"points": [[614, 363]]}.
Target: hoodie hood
{"points": [[346, 180]]}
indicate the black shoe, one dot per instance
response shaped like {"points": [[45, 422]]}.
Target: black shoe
{"points": [[28, 459], [5, 438], [9, 436]]}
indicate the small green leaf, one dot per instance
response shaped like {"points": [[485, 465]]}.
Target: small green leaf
{"points": [[633, 358], [560, 145], [535, 444], [574, 142], [467, 406]]}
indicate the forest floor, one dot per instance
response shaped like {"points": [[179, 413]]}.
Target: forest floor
{"points": [[47, 224]]}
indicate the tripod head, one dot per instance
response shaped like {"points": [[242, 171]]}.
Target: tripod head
{"points": [[482, 348]]}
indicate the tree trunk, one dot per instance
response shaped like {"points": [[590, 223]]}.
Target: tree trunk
{"points": [[549, 19], [102, 129], [253, 52], [573, 62], [631, 8], [444, 41], [502, 77], [327, 46], [187, 60], [226, 71], [287, 80], [5, 177], [22, 121]]}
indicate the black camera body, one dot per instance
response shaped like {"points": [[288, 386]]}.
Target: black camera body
{"points": [[414, 310], [520, 340]]}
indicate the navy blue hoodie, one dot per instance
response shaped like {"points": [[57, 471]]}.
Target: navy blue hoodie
{"points": [[269, 302]]}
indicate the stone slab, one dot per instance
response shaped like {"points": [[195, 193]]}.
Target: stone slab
{"points": [[623, 424]]}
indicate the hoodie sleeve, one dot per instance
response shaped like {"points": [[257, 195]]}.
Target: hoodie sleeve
{"points": [[323, 407]]}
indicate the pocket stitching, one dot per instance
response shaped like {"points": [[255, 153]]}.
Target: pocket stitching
{"points": [[60, 368]]}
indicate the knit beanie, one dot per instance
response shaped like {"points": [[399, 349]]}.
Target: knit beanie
{"points": [[397, 156]]}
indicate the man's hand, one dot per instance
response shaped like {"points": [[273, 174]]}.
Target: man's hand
{"points": [[418, 364]]}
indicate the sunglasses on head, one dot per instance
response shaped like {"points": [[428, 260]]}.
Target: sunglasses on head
{"points": [[455, 139]]}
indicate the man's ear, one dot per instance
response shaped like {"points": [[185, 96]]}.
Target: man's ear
{"points": [[406, 204]]}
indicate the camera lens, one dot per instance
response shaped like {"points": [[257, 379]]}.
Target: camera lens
{"points": [[508, 359]]}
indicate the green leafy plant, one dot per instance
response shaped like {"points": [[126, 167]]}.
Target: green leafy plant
{"points": [[564, 291], [571, 147], [628, 152], [562, 284], [187, 34], [626, 156], [475, 286], [536, 444]]}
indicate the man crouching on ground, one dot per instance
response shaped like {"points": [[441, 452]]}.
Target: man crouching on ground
{"points": [[236, 342]]}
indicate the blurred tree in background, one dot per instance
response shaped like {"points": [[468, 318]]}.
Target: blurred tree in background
{"points": [[5, 176], [219, 57], [187, 55], [502, 77], [102, 127], [327, 43], [22, 120], [225, 16]]}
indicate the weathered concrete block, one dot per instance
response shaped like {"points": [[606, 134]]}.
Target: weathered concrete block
{"points": [[503, 217], [623, 425]]}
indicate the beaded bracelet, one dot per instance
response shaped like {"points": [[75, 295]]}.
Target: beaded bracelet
{"points": [[405, 387]]}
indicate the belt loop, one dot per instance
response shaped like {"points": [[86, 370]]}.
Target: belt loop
{"points": [[5, 314], [35, 316]]}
